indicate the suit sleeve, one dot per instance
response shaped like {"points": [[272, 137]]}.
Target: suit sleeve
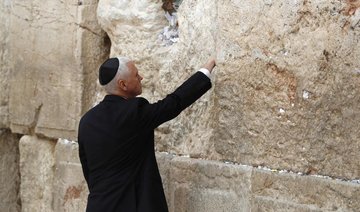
{"points": [[152, 115]]}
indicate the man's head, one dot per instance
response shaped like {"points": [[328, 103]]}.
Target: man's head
{"points": [[120, 77]]}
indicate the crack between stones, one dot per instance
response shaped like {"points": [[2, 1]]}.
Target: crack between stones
{"points": [[36, 119], [88, 29], [264, 168]]}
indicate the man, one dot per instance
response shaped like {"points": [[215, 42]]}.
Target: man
{"points": [[116, 138]]}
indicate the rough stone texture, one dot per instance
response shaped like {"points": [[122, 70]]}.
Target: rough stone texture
{"points": [[286, 89], [286, 95], [164, 164], [37, 162], [9, 172], [69, 189], [4, 63], [197, 185], [201, 185], [56, 47], [291, 192], [290, 50]]}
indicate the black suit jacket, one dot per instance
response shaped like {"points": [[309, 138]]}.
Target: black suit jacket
{"points": [[116, 148]]}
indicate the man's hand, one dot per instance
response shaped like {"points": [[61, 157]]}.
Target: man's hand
{"points": [[211, 63]]}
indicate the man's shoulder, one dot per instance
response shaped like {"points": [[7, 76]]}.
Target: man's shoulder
{"points": [[141, 100], [104, 107], [88, 114]]}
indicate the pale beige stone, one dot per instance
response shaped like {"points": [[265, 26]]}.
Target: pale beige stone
{"points": [[46, 77], [302, 193], [164, 164], [273, 205], [285, 95], [56, 49], [4, 63], [69, 189], [37, 161], [9, 172], [198, 185], [203, 185], [263, 115], [285, 91]]}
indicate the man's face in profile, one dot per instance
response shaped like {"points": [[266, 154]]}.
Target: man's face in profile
{"points": [[133, 81]]}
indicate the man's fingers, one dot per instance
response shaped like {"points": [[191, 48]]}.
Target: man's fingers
{"points": [[211, 64]]}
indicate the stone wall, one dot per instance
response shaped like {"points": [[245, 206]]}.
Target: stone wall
{"points": [[9, 172], [282, 114], [286, 89], [49, 55], [4, 63], [55, 47]]}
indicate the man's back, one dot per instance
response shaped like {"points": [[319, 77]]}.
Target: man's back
{"points": [[116, 148], [122, 167]]}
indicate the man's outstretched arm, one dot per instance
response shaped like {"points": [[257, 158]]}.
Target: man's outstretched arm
{"points": [[152, 115]]}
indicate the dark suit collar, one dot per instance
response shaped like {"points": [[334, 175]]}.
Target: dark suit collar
{"points": [[112, 98]]}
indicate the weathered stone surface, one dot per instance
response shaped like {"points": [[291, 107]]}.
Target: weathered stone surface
{"points": [[56, 47], [291, 192], [198, 185], [4, 63], [164, 164], [265, 204], [294, 101], [69, 189], [202, 185], [95, 48], [286, 89], [37, 162], [285, 95], [9, 172]]}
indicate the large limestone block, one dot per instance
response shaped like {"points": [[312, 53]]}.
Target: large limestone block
{"points": [[69, 189], [56, 48], [199, 185], [4, 63], [9, 172], [37, 161], [290, 192], [286, 90], [203, 185], [164, 164], [287, 94], [131, 25]]}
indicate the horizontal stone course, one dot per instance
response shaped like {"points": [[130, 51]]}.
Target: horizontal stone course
{"points": [[190, 184], [201, 185], [270, 204], [314, 192]]}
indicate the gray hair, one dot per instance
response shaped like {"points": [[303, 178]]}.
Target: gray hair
{"points": [[122, 72]]}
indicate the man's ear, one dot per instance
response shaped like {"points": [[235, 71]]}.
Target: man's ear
{"points": [[122, 85]]}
